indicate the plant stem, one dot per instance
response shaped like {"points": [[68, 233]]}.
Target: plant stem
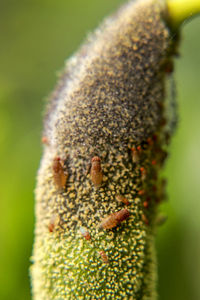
{"points": [[182, 10]]}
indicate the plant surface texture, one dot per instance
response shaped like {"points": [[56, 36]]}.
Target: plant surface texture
{"points": [[106, 130]]}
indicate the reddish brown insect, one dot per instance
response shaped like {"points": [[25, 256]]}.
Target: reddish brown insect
{"points": [[104, 256], [85, 233], [122, 199], [141, 192], [52, 223], [135, 152], [45, 140], [145, 220], [115, 219], [145, 204], [96, 171], [143, 173], [153, 162], [150, 141], [169, 67], [59, 175]]}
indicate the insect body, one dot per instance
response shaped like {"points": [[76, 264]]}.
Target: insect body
{"points": [[104, 256], [85, 233], [96, 171], [122, 199], [53, 222], [115, 219], [59, 175]]}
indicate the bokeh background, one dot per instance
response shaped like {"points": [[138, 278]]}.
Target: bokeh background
{"points": [[36, 36]]}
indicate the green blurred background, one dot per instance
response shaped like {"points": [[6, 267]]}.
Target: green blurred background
{"points": [[36, 36]]}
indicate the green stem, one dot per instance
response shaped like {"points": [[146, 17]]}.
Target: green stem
{"points": [[182, 10]]}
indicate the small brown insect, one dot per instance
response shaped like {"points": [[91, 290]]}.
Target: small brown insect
{"points": [[96, 171], [143, 173], [122, 199], [141, 192], [85, 233], [104, 256], [154, 162], [145, 220], [163, 122], [155, 137], [169, 67], [150, 141], [53, 222], [59, 175], [115, 219], [45, 140], [145, 204], [135, 153]]}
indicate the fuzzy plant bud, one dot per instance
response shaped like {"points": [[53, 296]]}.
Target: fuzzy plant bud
{"points": [[107, 124]]}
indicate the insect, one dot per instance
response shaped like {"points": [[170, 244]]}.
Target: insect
{"points": [[135, 152], [115, 219], [104, 256], [59, 175], [169, 67], [145, 220], [96, 171], [53, 222], [85, 233], [143, 173], [150, 141], [153, 162], [122, 199], [145, 204], [45, 140], [141, 192]]}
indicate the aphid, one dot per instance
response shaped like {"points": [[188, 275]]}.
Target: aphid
{"points": [[169, 67], [141, 192], [145, 220], [122, 199], [96, 171], [155, 138], [45, 140], [154, 162], [53, 222], [59, 175], [145, 204], [143, 173], [150, 141], [115, 219], [135, 153], [104, 256], [163, 122], [85, 233]]}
